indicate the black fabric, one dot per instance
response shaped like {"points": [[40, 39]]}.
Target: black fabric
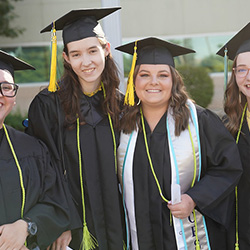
{"points": [[152, 50], [12, 63], [239, 43], [80, 24], [102, 198], [243, 194], [213, 194], [44, 203]]}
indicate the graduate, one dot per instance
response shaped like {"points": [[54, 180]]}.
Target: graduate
{"points": [[237, 106], [78, 119], [177, 163], [32, 205]]}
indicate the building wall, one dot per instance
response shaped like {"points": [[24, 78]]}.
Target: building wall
{"points": [[139, 18]]}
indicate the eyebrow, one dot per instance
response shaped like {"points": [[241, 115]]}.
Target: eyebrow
{"points": [[161, 71], [241, 65], [74, 51]]}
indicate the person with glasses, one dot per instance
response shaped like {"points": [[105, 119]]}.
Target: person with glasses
{"points": [[178, 164], [33, 212], [237, 120]]}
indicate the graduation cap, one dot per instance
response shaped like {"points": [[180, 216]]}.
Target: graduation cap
{"points": [[11, 63], [76, 25], [239, 43], [80, 24], [150, 50]]}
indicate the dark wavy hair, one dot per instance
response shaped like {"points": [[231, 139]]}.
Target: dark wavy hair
{"points": [[70, 91], [234, 104], [179, 96]]}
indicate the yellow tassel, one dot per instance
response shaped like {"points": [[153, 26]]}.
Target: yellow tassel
{"points": [[52, 81], [129, 96], [237, 246], [88, 242]]}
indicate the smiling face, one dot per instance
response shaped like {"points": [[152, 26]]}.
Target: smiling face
{"points": [[6, 103], [243, 83], [153, 85], [87, 59]]}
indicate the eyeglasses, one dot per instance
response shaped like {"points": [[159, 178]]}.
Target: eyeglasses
{"points": [[8, 89], [241, 71]]}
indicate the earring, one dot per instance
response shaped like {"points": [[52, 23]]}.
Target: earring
{"points": [[239, 97], [139, 102]]}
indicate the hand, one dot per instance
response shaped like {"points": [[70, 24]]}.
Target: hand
{"points": [[13, 236], [184, 208], [62, 241]]}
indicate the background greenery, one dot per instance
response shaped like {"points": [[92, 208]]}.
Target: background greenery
{"points": [[15, 119]]}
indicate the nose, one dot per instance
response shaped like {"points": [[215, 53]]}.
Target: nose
{"points": [[154, 80], [86, 60]]}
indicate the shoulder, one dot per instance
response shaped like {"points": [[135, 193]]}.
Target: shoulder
{"points": [[45, 103], [44, 96], [206, 114], [25, 143]]}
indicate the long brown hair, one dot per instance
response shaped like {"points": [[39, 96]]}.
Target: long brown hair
{"points": [[234, 103], [70, 91], [179, 96]]}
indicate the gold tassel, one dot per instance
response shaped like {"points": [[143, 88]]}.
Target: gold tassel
{"points": [[129, 96], [52, 81], [88, 242]]}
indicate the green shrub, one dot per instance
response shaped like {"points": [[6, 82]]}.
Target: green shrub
{"points": [[198, 83], [15, 119]]}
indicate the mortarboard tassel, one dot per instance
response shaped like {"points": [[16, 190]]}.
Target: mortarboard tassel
{"points": [[129, 96], [52, 81], [225, 68], [89, 242]]}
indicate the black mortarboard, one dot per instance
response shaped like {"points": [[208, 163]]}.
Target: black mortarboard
{"points": [[12, 63], [238, 44], [149, 50], [155, 51], [80, 24]]}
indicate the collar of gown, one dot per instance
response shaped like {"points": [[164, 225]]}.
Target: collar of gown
{"points": [[91, 109]]}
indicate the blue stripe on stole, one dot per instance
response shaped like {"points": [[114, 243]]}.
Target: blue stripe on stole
{"points": [[123, 190], [199, 146], [177, 178]]}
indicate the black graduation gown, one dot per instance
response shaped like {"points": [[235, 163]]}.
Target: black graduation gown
{"points": [[243, 194], [102, 197], [221, 170], [44, 203]]}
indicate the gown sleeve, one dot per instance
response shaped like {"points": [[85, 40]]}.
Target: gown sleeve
{"points": [[50, 210], [220, 171], [44, 117]]}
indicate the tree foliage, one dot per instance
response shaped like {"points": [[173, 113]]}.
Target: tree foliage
{"points": [[198, 83], [7, 15]]}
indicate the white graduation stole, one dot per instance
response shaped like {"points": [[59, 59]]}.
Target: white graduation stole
{"points": [[182, 169]]}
